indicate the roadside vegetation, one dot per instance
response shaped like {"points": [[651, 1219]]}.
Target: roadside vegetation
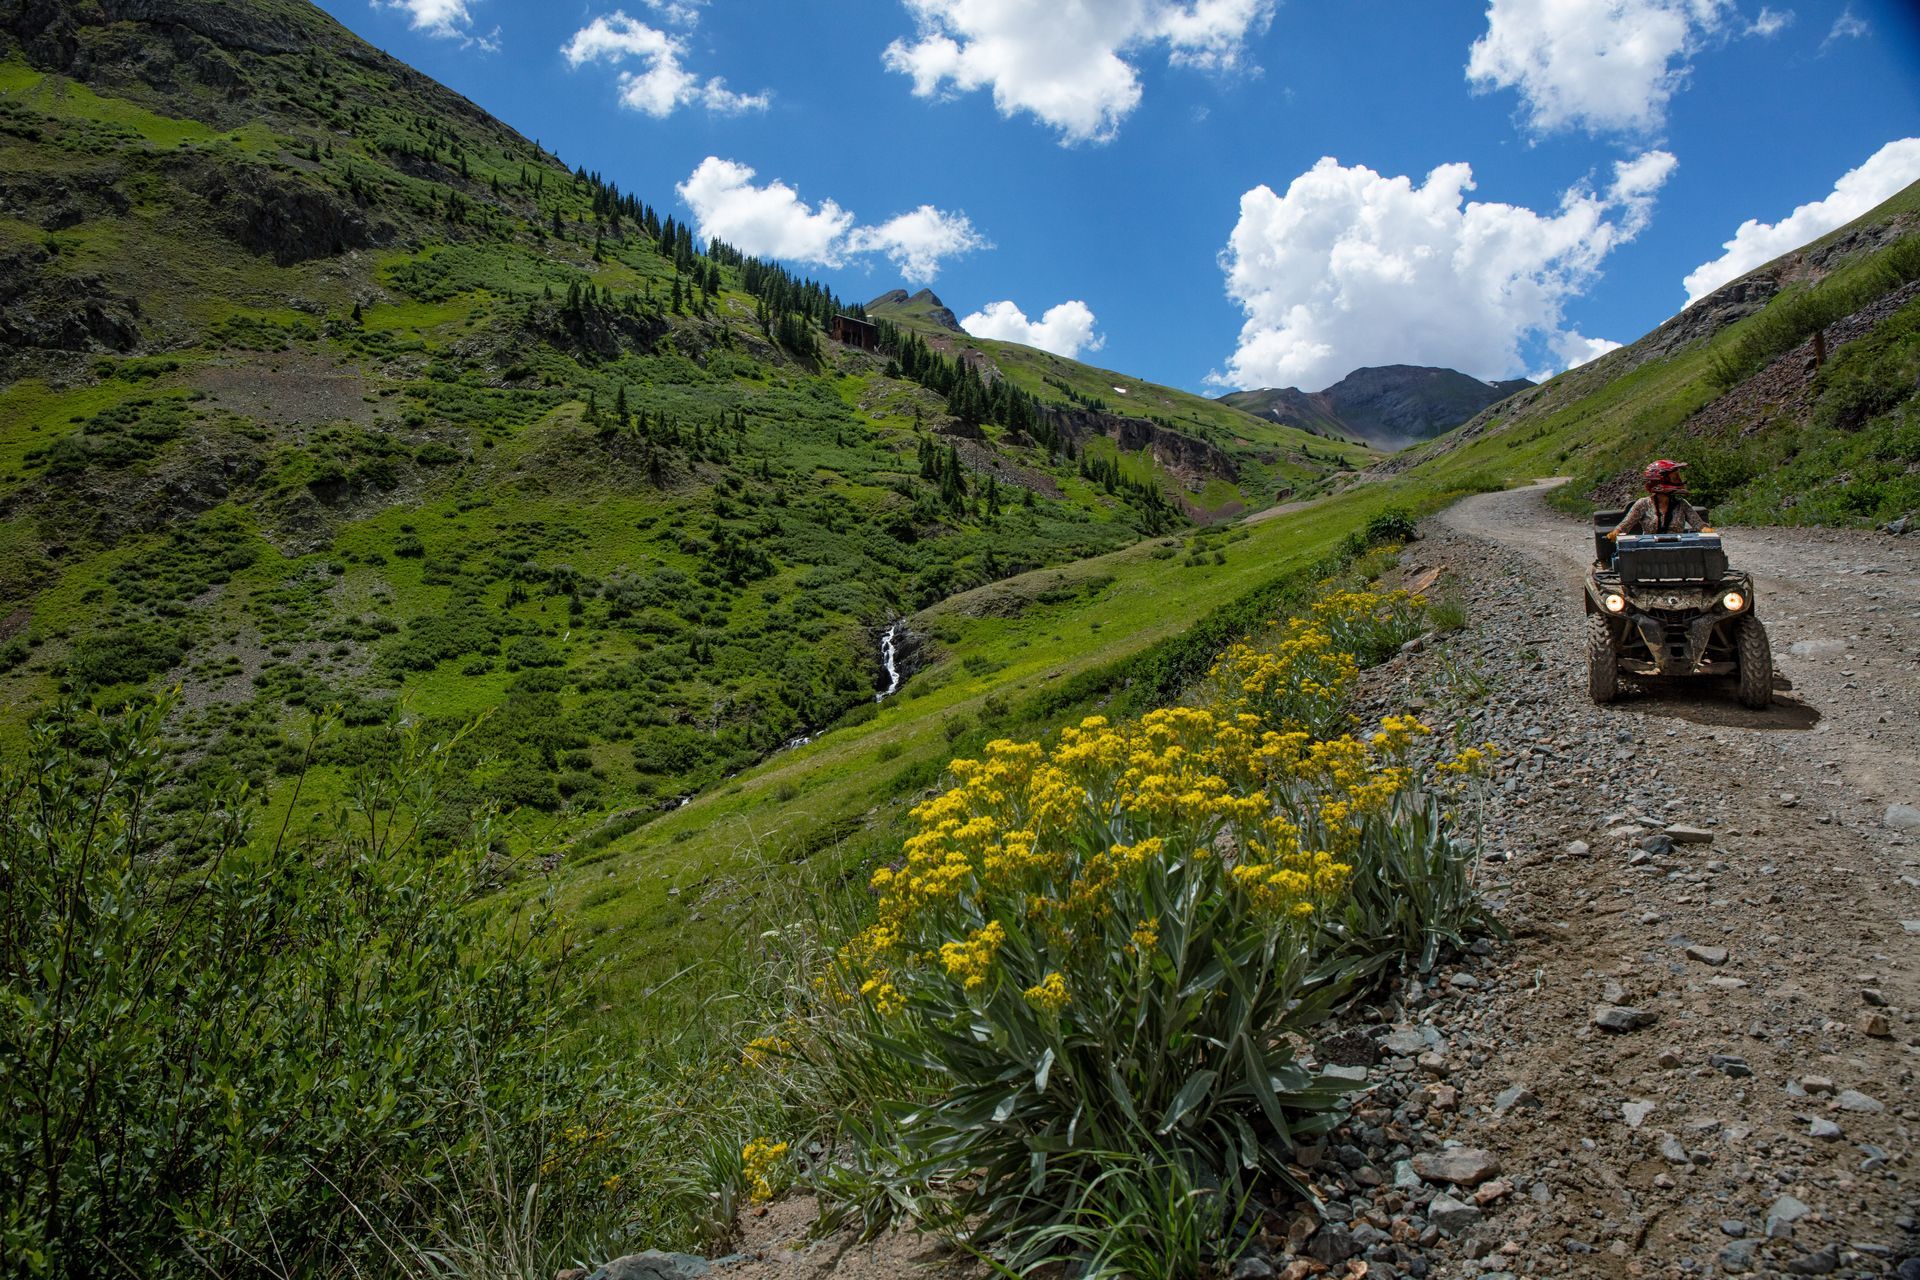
{"points": [[300, 1056]]}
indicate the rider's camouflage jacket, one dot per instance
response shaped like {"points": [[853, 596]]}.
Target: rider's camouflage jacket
{"points": [[1642, 517]]}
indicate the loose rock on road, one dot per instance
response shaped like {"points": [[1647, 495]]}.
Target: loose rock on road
{"points": [[1712, 992]]}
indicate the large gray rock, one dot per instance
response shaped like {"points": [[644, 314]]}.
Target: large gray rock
{"points": [[1333, 1244], [1620, 1017], [1902, 817], [653, 1265], [1786, 1211], [1452, 1216]]}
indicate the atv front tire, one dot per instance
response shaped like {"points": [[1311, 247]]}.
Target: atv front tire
{"points": [[1603, 660], [1756, 663]]}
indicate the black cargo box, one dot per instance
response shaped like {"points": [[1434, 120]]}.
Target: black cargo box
{"points": [[1667, 557]]}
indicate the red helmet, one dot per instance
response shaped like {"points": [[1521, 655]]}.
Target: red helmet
{"points": [[1664, 477]]}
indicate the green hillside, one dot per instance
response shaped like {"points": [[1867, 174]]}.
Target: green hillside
{"points": [[1026, 654], [327, 391], [519, 564], [324, 389], [1268, 458]]}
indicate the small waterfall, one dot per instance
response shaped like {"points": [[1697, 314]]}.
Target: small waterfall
{"points": [[889, 659]]}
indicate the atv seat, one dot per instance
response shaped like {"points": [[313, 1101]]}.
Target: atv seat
{"points": [[1604, 521]]}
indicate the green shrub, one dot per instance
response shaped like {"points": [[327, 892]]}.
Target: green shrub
{"points": [[130, 654], [233, 1057]]}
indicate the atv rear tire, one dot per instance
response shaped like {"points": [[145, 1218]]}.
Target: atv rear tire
{"points": [[1756, 663], [1603, 660]]}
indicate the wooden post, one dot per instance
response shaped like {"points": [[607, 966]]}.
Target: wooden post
{"points": [[1819, 348]]}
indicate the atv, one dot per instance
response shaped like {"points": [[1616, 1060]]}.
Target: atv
{"points": [[1665, 605]]}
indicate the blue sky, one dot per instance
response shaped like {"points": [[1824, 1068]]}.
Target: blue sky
{"points": [[1221, 193]]}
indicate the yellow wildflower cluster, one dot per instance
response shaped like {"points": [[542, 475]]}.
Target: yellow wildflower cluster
{"points": [[1050, 993], [1063, 846], [1297, 683], [1470, 762], [757, 1050], [970, 960], [758, 1160], [886, 997], [1363, 621]]}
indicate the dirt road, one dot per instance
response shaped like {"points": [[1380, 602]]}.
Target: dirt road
{"points": [[1775, 964]]}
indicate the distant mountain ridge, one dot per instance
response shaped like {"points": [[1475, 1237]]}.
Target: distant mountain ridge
{"points": [[1387, 406]]}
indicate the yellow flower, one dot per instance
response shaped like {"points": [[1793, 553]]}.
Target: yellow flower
{"points": [[757, 1050], [1146, 935], [970, 960], [758, 1159], [1050, 994], [886, 998]]}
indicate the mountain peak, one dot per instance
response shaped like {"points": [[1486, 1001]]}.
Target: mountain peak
{"points": [[924, 306], [1388, 406]]}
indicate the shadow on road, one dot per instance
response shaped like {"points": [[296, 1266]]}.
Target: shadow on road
{"points": [[1716, 713]]}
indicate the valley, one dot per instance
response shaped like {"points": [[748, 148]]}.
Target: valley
{"points": [[479, 661]]}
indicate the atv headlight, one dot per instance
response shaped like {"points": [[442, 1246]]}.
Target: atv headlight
{"points": [[1734, 601], [1614, 601]]}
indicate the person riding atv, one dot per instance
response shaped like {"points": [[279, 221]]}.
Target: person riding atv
{"points": [[1662, 603], [1663, 510]]}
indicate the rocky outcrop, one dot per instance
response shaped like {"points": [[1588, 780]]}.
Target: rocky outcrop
{"points": [[285, 218], [41, 309], [1193, 460]]}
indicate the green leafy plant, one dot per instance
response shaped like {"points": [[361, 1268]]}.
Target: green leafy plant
{"points": [[231, 1055]]}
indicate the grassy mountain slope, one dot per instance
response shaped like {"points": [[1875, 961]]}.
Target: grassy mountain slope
{"points": [[1027, 654], [1267, 457], [323, 388], [306, 412]]}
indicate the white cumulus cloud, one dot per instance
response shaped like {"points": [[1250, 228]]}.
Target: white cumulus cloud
{"points": [[1771, 22], [1071, 65], [1350, 268], [1602, 65], [1885, 172], [663, 84], [771, 220], [1065, 329], [447, 19], [916, 242]]}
